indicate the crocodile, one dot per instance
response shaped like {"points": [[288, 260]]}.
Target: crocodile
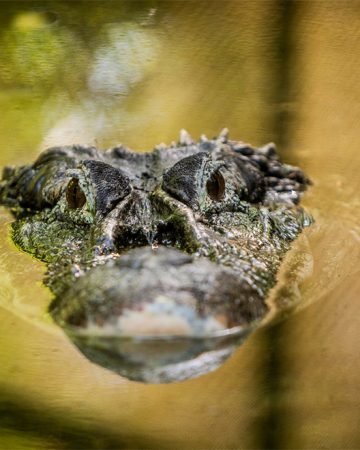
{"points": [[160, 262]]}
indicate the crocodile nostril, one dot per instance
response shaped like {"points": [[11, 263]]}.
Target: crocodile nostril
{"points": [[74, 194]]}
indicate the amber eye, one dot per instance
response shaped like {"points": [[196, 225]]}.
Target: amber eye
{"points": [[215, 186], [74, 194]]}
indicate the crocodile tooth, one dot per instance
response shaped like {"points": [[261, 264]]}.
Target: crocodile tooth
{"points": [[185, 138], [203, 138]]}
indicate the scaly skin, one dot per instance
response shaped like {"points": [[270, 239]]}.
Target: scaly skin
{"points": [[179, 245]]}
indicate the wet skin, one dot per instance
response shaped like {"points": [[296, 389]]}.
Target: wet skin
{"points": [[182, 243]]}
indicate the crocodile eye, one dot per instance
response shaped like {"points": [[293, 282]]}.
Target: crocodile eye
{"points": [[215, 186], [74, 195]]}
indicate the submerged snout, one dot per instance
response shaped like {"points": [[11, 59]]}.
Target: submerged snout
{"points": [[159, 315], [159, 292]]}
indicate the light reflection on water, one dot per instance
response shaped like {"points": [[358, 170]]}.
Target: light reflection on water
{"points": [[137, 72]]}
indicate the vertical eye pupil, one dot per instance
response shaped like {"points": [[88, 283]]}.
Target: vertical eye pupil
{"points": [[74, 194], [215, 186]]}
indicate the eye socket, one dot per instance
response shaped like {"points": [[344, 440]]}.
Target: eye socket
{"points": [[74, 194], [215, 186]]}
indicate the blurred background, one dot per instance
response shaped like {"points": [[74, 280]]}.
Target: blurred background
{"points": [[135, 72]]}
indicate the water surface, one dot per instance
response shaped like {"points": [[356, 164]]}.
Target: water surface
{"points": [[136, 72]]}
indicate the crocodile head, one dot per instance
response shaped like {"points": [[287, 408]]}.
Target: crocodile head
{"points": [[160, 262]]}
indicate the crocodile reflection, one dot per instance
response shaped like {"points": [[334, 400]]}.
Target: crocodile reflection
{"points": [[160, 262]]}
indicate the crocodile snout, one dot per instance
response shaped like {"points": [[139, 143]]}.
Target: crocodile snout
{"points": [[151, 310], [159, 291]]}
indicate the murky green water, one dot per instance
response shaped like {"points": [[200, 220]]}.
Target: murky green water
{"points": [[136, 72]]}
